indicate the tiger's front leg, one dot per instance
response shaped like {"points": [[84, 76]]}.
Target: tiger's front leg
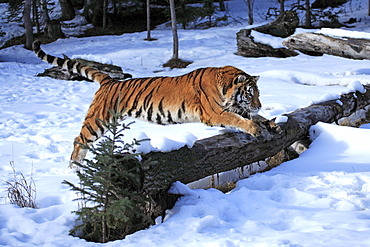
{"points": [[78, 153], [233, 120], [90, 132]]}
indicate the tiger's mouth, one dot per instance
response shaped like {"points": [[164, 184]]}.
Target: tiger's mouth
{"points": [[245, 111]]}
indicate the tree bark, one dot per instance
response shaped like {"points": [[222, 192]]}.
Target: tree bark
{"points": [[222, 5], [232, 150], [148, 19], [68, 11], [318, 44], [250, 4], [283, 26], [308, 14], [248, 47], [54, 30], [45, 11], [105, 18], [174, 31], [35, 15], [28, 24], [282, 7]]}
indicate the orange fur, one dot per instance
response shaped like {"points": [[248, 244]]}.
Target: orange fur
{"points": [[224, 96]]}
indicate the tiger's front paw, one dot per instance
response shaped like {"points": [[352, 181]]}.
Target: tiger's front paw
{"points": [[271, 126], [267, 125], [254, 129]]}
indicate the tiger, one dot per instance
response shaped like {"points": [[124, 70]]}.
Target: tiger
{"points": [[216, 96]]}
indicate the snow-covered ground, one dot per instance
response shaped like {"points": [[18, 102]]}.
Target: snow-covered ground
{"points": [[320, 199]]}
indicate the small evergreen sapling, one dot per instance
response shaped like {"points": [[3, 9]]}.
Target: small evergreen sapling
{"points": [[110, 185]]}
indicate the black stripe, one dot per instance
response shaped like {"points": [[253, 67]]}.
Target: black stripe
{"points": [[169, 118], [60, 62], [183, 108], [147, 99], [70, 64], [99, 124], [82, 137], [107, 78], [138, 113], [41, 54], [137, 83], [141, 91], [179, 114], [91, 130], [117, 100], [87, 70], [79, 67], [49, 58], [150, 112], [160, 107], [158, 119], [93, 75]]}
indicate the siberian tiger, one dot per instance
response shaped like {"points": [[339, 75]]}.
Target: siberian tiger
{"points": [[225, 96]]}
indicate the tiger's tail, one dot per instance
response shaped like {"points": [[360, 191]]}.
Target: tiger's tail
{"points": [[71, 65]]}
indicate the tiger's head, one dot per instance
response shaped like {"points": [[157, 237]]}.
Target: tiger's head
{"points": [[240, 92]]}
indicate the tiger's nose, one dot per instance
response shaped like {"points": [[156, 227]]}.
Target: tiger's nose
{"points": [[257, 104]]}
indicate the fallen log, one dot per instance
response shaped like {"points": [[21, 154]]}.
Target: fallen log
{"points": [[231, 150], [228, 151], [248, 47], [62, 74], [283, 26], [319, 44]]}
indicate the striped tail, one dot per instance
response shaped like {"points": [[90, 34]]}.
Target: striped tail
{"points": [[71, 65]]}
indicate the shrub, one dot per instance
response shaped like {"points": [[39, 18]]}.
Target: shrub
{"points": [[110, 185], [21, 192]]}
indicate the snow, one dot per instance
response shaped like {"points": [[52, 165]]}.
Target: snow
{"points": [[275, 42], [281, 119], [344, 33], [321, 198]]}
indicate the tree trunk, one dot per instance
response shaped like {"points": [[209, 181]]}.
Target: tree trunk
{"points": [[28, 24], [318, 44], [54, 30], [174, 31], [308, 14], [148, 19], [45, 11], [36, 16], [105, 18], [282, 7], [222, 5], [250, 4], [232, 150], [68, 11]]}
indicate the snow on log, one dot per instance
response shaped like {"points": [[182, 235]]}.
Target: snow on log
{"points": [[231, 150], [318, 44]]}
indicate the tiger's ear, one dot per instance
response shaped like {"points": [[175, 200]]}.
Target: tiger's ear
{"points": [[256, 77], [240, 79]]}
